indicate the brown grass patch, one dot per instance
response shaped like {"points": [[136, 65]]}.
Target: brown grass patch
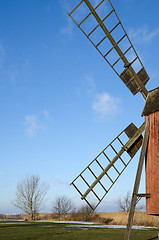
{"points": [[109, 218], [140, 218]]}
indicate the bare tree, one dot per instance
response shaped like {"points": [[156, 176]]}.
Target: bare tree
{"points": [[86, 212], [125, 202], [30, 195], [62, 206]]}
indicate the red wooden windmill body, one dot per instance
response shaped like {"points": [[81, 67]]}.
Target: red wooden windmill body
{"points": [[151, 109]]}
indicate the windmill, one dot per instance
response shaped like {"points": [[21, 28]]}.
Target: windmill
{"points": [[100, 23]]}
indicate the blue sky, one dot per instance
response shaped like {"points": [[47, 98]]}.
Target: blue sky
{"points": [[60, 103]]}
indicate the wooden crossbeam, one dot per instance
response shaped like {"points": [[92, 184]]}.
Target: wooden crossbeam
{"points": [[146, 195]]}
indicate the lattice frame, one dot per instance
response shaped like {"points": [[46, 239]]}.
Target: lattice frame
{"points": [[121, 58]]}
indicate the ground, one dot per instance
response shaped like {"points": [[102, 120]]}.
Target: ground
{"points": [[56, 231]]}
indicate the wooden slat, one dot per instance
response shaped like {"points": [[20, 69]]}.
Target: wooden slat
{"points": [[76, 7], [120, 141], [106, 156], [101, 41], [77, 188], [91, 13], [96, 178], [109, 51], [108, 15], [134, 60], [113, 183], [121, 38], [115, 27], [110, 160], [116, 61], [103, 21], [123, 162], [146, 195], [106, 173], [89, 186], [119, 157], [127, 50], [93, 30]]}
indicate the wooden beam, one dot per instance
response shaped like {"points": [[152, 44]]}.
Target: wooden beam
{"points": [[146, 195], [137, 180]]}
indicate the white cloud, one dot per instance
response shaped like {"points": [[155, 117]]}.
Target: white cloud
{"points": [[143, 35], [33, 126], [105, 106], [46, 113]]}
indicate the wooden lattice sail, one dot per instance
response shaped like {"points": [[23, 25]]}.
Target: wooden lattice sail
{"points": [[107, 34], [95, 181]]}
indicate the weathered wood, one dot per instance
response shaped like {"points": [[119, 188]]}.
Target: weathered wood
{"points": [[129, 81], [135, 137], [137, 180], [146, 195], [130, 130], [152, 165], [135, 147], [125, 148], [76, 7], [138, 81], [152, 102]]}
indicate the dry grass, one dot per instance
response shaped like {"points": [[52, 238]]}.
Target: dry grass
{"points": [[140, 218], [110, 218]]}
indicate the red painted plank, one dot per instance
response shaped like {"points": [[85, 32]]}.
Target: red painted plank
{"points": [[152, 166]]}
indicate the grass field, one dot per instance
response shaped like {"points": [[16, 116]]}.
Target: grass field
{"points": [[54, 231]]}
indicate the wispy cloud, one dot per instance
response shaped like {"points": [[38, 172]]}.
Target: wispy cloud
{"points": [[143, 35], [46, 113], [34, 125], [14, 75], [2, 55], [68, 28], [48, 8], [105, 106], [90, 85], [60, 182]]}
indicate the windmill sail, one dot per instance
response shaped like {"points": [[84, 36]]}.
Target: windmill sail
{"points": [[95, 181], [102, 26]]}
